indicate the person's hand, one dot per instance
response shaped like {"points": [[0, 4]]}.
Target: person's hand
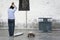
{"points": [[13, 4]]}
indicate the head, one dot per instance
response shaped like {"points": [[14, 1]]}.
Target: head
{"points": [[12, 5]]}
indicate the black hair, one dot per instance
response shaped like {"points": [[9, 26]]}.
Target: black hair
{"points": [[11, 7]]}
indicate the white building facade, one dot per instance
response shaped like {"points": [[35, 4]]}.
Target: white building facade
{"points": [[38, 8]]}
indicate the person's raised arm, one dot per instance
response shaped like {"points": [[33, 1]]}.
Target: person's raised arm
{"points": [[15, 8]]}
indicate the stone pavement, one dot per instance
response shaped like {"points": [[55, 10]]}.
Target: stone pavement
{"points": [[55, 35]]}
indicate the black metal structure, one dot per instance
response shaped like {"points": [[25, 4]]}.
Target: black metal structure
{"points": [[45, 25], [24, 5]]}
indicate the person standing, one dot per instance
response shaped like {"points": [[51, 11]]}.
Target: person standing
{"points": [[11, 19]]}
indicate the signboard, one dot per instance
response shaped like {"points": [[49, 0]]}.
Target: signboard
{"points": [[24, 5]]}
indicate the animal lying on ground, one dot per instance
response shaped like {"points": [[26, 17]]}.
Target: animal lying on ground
{"points": [[31, 34]]}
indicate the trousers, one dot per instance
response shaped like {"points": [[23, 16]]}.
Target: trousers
{"points": [[11, 26]]}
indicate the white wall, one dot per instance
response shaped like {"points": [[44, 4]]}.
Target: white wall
{"points": [[38, 8]]}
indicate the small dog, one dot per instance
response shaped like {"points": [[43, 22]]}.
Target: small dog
{"points": [[31, 34]]}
